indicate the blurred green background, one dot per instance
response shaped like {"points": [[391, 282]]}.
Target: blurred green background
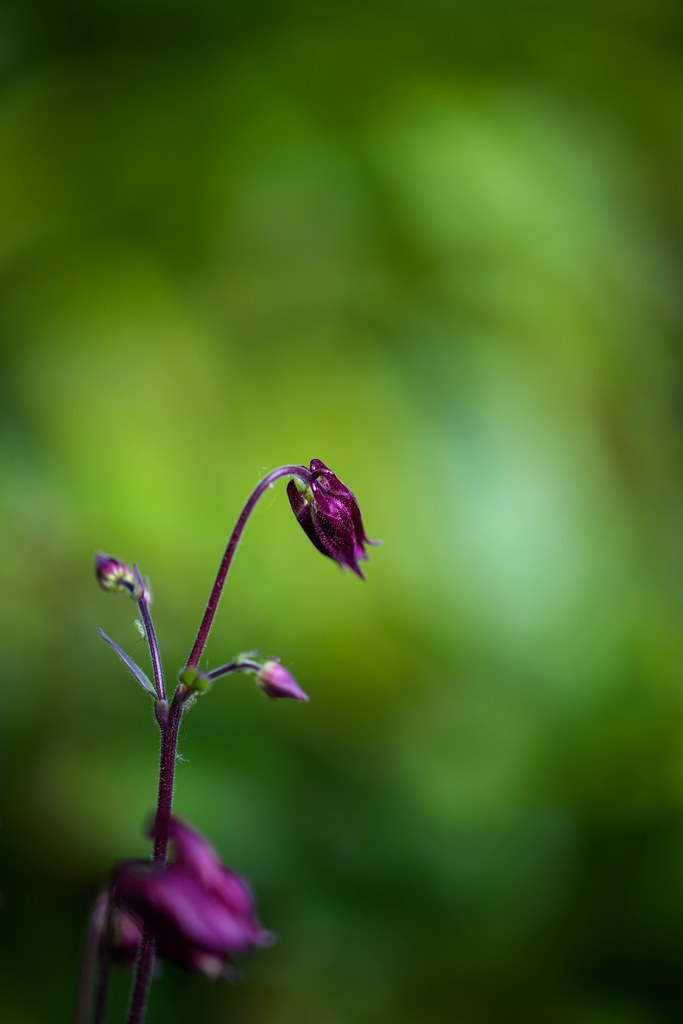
{"points": [[437, 245]]}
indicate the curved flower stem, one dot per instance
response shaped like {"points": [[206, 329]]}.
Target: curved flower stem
{"points": [[243, 665], [205, 626], [169, 740], [169, 721]]}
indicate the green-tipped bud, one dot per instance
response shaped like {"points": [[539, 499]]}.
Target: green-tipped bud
{"points": [[114, 575]]}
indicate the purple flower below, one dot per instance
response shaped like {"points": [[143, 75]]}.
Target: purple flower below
{"points": [[199, 912], [329, 515]]}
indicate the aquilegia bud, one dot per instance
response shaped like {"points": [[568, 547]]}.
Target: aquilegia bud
{"points": [[199, 912], [276, 682], [329, 515], [113, 574]]}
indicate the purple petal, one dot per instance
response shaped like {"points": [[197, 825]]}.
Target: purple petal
{"points": [[297, 499], [193, 852]]}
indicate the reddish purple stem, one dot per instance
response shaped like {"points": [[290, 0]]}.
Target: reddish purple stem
{"points": [[169, 741], [170, 723]]}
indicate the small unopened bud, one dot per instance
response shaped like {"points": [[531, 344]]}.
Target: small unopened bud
{"points": [[194, 680], [114, 575], [276, 682]]}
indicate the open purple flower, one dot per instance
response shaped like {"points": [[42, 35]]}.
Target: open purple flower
{"points": [[199, 913], [329, 515]]}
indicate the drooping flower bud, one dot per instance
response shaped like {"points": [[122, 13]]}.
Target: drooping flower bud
{"points": [[329, 515], [276, 682], [199, 912], [114, 575]]}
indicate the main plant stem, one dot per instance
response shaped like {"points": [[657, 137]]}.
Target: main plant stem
{"points": [[205, 626], [169, 742], [169, 723]]}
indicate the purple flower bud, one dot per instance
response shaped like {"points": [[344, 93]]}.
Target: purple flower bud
{"points": [[276, 681], [114, 575], [330, 517], [199, 912]]}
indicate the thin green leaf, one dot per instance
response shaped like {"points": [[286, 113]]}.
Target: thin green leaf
{"points": [[130, 664]]}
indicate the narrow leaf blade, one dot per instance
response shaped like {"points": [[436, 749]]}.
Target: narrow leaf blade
{"points": [[130, 664]]}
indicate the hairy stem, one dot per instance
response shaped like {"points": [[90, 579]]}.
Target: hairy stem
{"points": [[169, 741]]}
